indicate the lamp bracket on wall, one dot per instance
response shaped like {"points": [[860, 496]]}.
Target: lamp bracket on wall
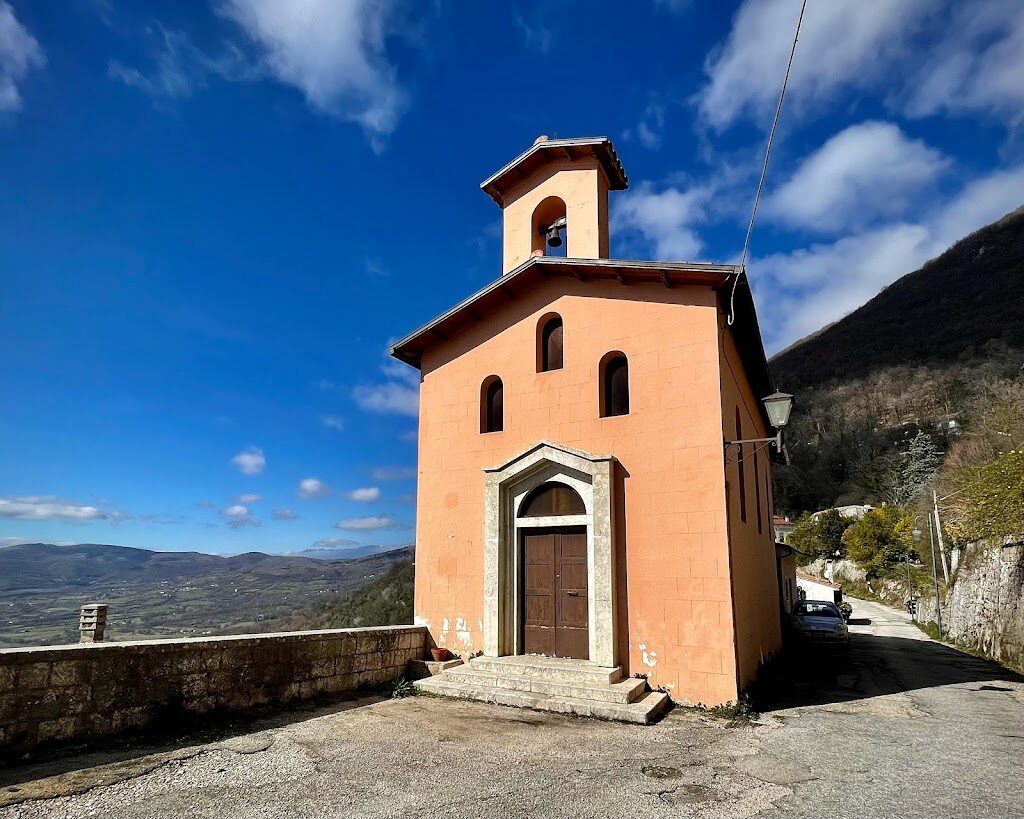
{"points": [[737, 447]]}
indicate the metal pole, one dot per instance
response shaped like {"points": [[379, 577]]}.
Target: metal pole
{"points": [[938, 532], [935, 578]]}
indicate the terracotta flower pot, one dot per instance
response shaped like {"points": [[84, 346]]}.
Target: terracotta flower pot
{"points": [[440, 654]]}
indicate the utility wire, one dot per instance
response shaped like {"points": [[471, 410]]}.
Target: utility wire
{"points": [[764, 167]]}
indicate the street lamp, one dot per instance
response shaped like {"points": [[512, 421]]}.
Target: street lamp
{"points": [[916, 534], [777, 406]]}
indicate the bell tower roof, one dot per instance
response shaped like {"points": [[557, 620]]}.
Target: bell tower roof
{"points": [[545, 151]]}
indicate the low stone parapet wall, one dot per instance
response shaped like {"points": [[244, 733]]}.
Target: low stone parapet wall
{"points": [[57, 695]]}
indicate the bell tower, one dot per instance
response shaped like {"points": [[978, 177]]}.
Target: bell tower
{"points": [[554, 198]]}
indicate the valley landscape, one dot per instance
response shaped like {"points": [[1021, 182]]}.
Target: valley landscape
{"points": [[181, 594]]}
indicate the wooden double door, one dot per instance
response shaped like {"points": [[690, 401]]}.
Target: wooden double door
{"points": [[555, 610]]}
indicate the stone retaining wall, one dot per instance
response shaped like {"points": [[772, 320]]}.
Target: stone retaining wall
{"points": [[66, 694], [983, 607]]}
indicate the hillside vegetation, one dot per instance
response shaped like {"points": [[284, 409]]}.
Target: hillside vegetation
{"points": [[384, 601], [939, 353]]}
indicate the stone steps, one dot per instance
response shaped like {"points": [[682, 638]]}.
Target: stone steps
{"points": [[623, 692], [648, 707], [549, 668]]}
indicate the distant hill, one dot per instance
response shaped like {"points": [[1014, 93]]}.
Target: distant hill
{"points": [[932, 352], [341, 552], [166, 594], [964, 305]]}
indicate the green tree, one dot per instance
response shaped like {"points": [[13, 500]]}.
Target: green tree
{"points": [[820, 535], [880, 539], [908, 472], [921, 462]]}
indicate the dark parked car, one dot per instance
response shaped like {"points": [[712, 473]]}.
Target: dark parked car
{"points": [[820, 621]]}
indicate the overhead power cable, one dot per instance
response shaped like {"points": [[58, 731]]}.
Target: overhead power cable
{"points": [[764, 166]]}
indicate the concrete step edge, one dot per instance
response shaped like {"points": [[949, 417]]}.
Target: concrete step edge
{"points": [[624, 691], [641, 712], [496, 665]]}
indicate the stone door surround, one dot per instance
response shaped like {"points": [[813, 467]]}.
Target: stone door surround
{"points": [[505, 488]]}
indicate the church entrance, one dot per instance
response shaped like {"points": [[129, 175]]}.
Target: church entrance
{"points": [[555, 610], [549, 556]]}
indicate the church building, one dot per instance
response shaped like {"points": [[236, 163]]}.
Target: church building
{"points": [[588, 529]]}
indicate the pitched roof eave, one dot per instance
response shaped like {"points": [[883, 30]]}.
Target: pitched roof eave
{"points": [[719, 277]]}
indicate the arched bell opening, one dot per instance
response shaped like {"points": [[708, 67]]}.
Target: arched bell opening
{"points": [[549, 228]]}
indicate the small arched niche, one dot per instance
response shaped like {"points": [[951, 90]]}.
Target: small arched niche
{"points": [[552, 499], [613, 378], [492, 410], [547, 213], [549, 343]]}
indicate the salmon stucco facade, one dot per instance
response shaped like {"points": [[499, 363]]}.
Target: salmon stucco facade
{"points": [[579, 495]]}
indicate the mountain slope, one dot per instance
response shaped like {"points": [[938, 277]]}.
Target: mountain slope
{"points": [[958, 307], [934, 352], [167, 594]]}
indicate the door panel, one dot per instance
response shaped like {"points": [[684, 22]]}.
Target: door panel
{"points": [[572, 635], [555, 608], [539, 594]]}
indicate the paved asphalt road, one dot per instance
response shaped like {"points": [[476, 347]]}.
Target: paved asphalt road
{"points": [[902, 726], [898, 726]]}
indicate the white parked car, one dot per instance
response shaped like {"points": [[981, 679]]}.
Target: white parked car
{"points": [[820, 621]]}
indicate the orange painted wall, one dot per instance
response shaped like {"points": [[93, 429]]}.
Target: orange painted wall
{"points": [[674, 564], [754, 571]]}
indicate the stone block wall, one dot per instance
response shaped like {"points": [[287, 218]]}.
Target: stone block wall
{"points": [[57, 695], [983, 607]]}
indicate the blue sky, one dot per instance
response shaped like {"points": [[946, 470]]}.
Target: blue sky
{"points": [[215, 215]]}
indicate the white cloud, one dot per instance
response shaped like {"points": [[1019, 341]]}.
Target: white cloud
{"points": [[240, 523], [180, 67], [48, 507], [666, 219], [537, 36], [394, 473], [843, 44], [19, 54], [333, 51], [250, 462], [333, 422], [237, 516], [980, 202], [868, 170], [283, 514], [400, 394], [805, 289], [648, 132], [977, 64], [312, 488], [370, 523], [811, 287], [334, 542], [249, 498], [369, 494]]}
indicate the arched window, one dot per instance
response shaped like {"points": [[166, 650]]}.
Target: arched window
{"points": [[549, 343], [491, 409], [551, 499], [614, 385]]}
